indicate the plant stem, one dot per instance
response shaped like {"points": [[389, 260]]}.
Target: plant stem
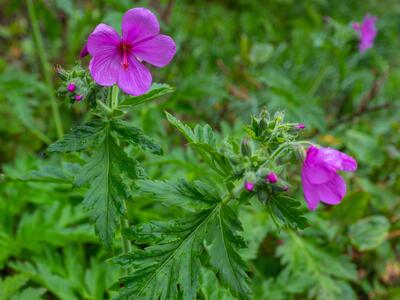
{"points": [[114, 97], [126, 244], [37, 37]]}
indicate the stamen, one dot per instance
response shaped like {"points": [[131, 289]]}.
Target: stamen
{"points": [[126, 50]]}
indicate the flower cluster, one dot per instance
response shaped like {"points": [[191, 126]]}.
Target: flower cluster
{"points": [[320, 180], [77, 85]]}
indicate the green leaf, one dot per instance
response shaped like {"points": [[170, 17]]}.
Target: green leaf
{"points": [[201, 134], [134, 136], [326, 271], [157, 90], [53, 174], [369, 233], [203, 139], [80, 138], [41, 273], [107, 189], [288, 212], [160, 268], [210, 287], [223, 240], [169, 266], [191, 196], [11, 285]]}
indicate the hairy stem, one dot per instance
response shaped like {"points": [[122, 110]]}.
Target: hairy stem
{"points": [[126, 244], [114, 97], [37, 37]]}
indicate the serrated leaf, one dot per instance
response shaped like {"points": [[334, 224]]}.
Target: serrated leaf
{"points": [[191, 196], [169, 267], [80, 138], [288, 212], [135, 136], [53, 174], [160, 268], [211, 289], [223, 240], [107, 190], [200, 134], [326, 271], [157, 90], [203, 139], [369, 233]]}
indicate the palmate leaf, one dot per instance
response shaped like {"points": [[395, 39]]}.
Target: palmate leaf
{"points": [[288, 212], [107, 189], [134, 136], [202, 138], [80, 138], [169, 267]]}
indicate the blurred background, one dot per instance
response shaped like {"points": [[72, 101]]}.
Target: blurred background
{"points": [[233, 58]]}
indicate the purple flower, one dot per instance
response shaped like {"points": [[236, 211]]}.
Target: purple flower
{"points": [[78, 97], [300, 126], [367, 31], [117, 60], [248, 185], [321, 182], [271, 177]]}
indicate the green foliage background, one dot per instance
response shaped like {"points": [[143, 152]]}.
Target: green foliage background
{"points": [[233, 58]]}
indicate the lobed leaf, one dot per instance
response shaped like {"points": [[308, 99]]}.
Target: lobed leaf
{"points": [[80, 138], [203, 139], [288, 212], [134, 136], [188, 195], [157, 90], [223, 239], [107, 190], [169, 267]]}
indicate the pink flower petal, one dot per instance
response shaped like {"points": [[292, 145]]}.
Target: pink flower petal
{"points": [[333, 191], [105, 66], [136, 79], [157, 51], [318, 174], [310, 194], [139, 24], [337, 160], [104, 38]]}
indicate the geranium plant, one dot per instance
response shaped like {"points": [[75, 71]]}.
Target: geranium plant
{"points": [[168, 259]]}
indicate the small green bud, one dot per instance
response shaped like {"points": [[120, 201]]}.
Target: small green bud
{"points": [[245, 148], [263, 124]]}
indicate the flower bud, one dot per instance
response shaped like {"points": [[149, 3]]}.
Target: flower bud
{"points": [[245, 147], [71, 87], [84, 51], [248, 185], [263, 124], [271, 177], [299, 126], [78, 97]]}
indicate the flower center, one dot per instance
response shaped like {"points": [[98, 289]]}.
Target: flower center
{"points": [[126, 50]]}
